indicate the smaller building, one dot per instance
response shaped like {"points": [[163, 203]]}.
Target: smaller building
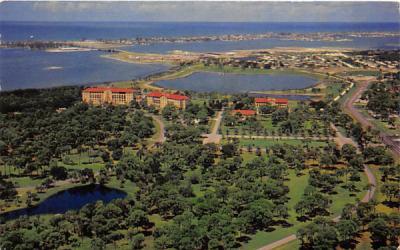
{"points": [[276, 102], [108, 95], [244, 112], [159, 100]]}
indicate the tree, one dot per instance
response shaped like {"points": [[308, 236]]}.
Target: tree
{"points": [[117, 154], [258, 215], [59, 173], [137, 241], [138, 218], [320, 234], [279, 116], [183, 233], [390, 190], [346, 229], [169, 112], [7, 190], [229, 149], [348, 152], [97, 244], [379, 231], [267, 109]]}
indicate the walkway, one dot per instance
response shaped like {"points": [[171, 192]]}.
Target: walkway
{"points": [[341, 139], [214, 137], [278, 137], [160, 136]]}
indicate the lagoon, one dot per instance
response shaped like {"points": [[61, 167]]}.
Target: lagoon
{"points": [[21, 69], [238, 83], [70, 199]]}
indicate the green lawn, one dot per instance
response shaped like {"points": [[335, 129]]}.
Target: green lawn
{"points": [[82, 161], [25, 181], [382, 126], [265, 122], [296, 186]]}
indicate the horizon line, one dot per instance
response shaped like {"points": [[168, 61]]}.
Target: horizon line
{"points": [[131, 21]]}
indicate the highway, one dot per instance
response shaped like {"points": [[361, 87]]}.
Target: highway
{"points": [[349, 108]]}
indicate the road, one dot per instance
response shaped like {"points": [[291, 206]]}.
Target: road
{"points": [[161, 136], [214, 137], [348, 106], [277, 137]]}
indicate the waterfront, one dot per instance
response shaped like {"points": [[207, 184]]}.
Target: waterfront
{"points": [[223, 46], [21, 68], [12, 31], [238, 83]]}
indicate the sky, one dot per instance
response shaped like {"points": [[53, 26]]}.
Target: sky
{"points": [[201, 11]]}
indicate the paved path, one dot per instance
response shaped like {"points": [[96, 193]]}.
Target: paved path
{"points": [[341, 139], [279, 242], [277, 137], [351, 110], [161, 136], [214, 137]]}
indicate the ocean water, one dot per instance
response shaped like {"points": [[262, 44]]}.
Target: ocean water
{"points": [[20, 68], [220, 46], [238, 83], [114, 30]]}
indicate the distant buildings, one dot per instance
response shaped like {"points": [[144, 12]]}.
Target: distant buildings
{"points": [[108, 95], [159, 100]]}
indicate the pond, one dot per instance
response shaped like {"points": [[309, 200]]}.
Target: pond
{"points": [[238, 83], [70, 199]]}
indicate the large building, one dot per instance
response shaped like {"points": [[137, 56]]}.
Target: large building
{"points": [[108, 95], [160, 100], [276, 102]]}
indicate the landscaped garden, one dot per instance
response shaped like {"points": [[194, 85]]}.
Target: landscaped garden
{"points": [[180, 194]]}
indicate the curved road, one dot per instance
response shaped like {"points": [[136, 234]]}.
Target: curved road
{"points": [[351, 110]]}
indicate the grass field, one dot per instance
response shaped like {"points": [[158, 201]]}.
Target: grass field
{"points": [[265, 123], [296, 185], [382, 126]]}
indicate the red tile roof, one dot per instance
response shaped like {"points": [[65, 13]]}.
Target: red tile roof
{"points": [[245, 112], [155, 94], [112, 89], [176, 97], [281, 101], [168, 96], [263, 100], [271, 100]]}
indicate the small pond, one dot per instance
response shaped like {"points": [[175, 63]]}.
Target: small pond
{"points": [[238, 83], [70, 199]]}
